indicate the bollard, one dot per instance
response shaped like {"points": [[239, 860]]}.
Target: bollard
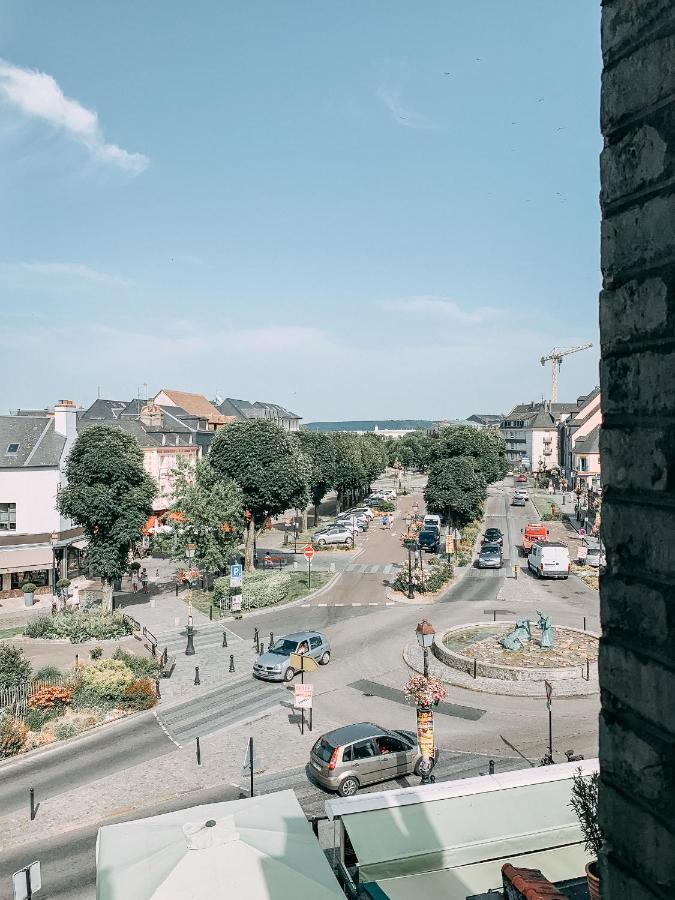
{"points": [[588, 669], [199, 753], [231, 662], [157, 693], [494, 615], [515, 572], [584, 623], [315, 825], [197, 681], [77, 660], [491, 767], [176, 589], [210, 613], [271, 639], [224, 639], [475, 667], [262, 648], [32, 803], [256, 640]]}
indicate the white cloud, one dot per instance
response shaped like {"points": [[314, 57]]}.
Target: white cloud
{"points": [[442, 306], [39, 96], [403, 115], [63, 270]]}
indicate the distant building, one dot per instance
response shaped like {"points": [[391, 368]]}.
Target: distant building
{"points": [[487, 420], [240, 410], [37, 544], [530, 432], [576, 429], [195, 405]]}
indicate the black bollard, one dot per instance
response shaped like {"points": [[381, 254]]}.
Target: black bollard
{"points": [[231, 662], [475, 668], [491, 767], [210, 613], [262, 648], [271, 638], [157, 693], [32, 803], [199, 753], [176, 589], [224, 639], [197, 681]]}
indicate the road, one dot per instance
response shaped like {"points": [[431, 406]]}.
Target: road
{"points": [[363, 681]]}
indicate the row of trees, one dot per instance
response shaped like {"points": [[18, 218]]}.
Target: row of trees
{"points": [[462, 462], [255, 470]]}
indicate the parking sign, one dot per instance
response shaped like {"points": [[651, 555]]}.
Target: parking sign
{"points": [[236, 576]]}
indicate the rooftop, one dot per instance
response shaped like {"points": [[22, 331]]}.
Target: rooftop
{"points": [[29, 442]]}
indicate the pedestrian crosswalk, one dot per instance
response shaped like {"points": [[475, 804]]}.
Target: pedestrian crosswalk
{"points": [[225, 706], [374, 569]]}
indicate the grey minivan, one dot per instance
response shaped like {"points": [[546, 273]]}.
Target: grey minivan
{"points": [[354, 755], [275, 664]]}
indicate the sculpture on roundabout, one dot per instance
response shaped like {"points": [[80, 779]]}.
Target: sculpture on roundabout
{"points": [[515, 640], [546, 641]]}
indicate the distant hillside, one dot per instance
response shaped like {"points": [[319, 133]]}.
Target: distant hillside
{"points": [[369, 425]]}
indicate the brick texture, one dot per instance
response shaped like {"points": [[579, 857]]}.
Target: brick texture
{"points": [[637, 376], [527, 884]]}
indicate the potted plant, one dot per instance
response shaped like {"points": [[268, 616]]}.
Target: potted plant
{"points": [[584, 802], [28, 589]]}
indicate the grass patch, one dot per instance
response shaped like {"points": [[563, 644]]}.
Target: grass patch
{"points": [[201, 600], [299, 586], [11, 632], [542, 503]]}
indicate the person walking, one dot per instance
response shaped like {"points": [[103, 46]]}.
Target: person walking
{"points": [[144, 580], [134, 582]]}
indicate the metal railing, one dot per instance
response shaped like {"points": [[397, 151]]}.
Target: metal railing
{"points": [[15, 699]]}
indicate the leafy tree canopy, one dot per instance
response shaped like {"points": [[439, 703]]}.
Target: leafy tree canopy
{"points": [[109, 494], [455, 489], [320, 451], [15, 669], [350, 473], [484, 445]]}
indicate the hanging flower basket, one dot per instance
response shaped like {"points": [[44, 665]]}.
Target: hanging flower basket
{"points": [[423, 691]]}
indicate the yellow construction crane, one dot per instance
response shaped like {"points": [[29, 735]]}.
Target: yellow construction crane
{"points": [[556, 357]]}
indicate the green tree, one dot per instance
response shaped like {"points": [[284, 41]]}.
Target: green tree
{"points": [[374, 458], [15, 669], [210, 512], [269, 467], [455, 490], [350, 473], [413, 450], [484, 445], [320, 451], [110, 495]]}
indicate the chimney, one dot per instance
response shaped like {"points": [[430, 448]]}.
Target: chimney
{"points": [[151, 416], [65, 421]]}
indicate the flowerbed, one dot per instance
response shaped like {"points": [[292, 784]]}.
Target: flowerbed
{"points": [[427, 581], [79, 626]]}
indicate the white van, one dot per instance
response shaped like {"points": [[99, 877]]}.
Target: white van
{"points": [[432, 522], [549, 560]]}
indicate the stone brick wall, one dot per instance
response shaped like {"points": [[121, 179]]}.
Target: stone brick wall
{"points": [[637, 326], [527, 884]]}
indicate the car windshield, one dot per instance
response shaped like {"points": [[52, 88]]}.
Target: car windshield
{"points": [[490, 551], [493, 532], [283, 647], [323, 750]]}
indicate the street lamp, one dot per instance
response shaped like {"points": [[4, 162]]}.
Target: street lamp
{"points": [[190, 648], [415, 509], [53, 540], [425, 718]]}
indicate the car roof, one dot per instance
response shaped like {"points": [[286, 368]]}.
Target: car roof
{"points": [[300, 635], [493, 529], [490, 546], [349, 733], [546, 544]]}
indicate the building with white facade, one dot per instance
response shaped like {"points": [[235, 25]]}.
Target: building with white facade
{"points": [[530, 432], [579, 441], [37, 544]]}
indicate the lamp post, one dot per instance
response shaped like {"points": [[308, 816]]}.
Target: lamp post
{"points": [[425, 718], [190, 648], [415, 509], [408, 543], [53, 540]]}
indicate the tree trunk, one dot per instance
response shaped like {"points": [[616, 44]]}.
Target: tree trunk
{"points": [[107, 596], [250, 541], [316, 514], [304, 519]]}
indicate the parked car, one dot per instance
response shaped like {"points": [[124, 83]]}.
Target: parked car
{"points": [[431, 520], [493, 536], [429, 540], [361, 511], [518, 500], [549, 560], [361, 523], [355, 755], [275, 663], [333, 534], [595, 553], [387, 493], [490, 556], [521, 479]]}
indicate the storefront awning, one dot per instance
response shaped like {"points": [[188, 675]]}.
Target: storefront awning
{"points": [[25, 559]]}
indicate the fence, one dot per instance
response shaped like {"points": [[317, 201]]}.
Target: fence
{"points": [[15, 699]]}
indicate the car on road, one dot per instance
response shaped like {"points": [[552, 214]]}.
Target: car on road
{"points": [[518, 500], [533, 533], [493, 536], [432, 520], [333, 534], [490, 556], [429, 540], [521, 492], [360, 522], [595, 553], [521, 479], [350, 757], [549, 559], [275, 663], [360, 511]]}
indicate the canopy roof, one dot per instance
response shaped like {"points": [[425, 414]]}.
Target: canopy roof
{"points": [[259, 848]]}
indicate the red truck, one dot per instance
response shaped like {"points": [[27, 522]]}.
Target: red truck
{"points": [[532, 533]]}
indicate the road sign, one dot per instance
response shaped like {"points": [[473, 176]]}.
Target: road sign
{"points": [[27, 881], [235, 603], [302, 663], [302, 696], [236, 576], [146, 541], [582, 532], [308, 551]]}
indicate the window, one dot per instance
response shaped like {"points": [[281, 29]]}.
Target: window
{"points": [[388, 744], [364, 750], [8, 516], [314, 642], [347, 754], [12, 449], [39, 578]]}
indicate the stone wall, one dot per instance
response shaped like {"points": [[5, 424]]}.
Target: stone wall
{"points": [[637, 325]]}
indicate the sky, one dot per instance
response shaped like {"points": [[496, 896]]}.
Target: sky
{"points": [[354, 209]]}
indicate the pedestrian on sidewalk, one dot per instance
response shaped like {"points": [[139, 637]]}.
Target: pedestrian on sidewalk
{"points": [[144, 580], [134, 582]]}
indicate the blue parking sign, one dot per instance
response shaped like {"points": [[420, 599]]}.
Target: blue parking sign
{"points": [[236, 573]]}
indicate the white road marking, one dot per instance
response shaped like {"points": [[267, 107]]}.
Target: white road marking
{"points": [[356, 604]]}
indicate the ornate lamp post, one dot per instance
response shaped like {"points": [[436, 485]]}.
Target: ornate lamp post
{"points": [[53, 541], [409, 545], [415, 509], [190, 648], [425, 718]]}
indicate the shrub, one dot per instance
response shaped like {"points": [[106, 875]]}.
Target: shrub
{"points": [[221, 590], [65, 730], [13, 736], [14, 667], [28, 587], [141, 666], [140, 694], [584, 802], [134, 566], [439, 575], [47, 673], [63, 583], [96, 653], [266, 588], [79, 626], [35, 719], [50, 697], [88, 698], [107, 678]]}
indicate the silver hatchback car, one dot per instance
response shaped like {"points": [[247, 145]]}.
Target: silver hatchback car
{"points": [[275, 664], [355, 755]]}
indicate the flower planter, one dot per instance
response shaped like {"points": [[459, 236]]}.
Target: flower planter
{"points": [[593, 880], [28, 598]]}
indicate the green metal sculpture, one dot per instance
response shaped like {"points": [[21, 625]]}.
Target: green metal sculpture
{"points": [[546, 641], [515, 640]]}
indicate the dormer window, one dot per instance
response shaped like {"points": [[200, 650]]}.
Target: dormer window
{"points": [[12, 449]]}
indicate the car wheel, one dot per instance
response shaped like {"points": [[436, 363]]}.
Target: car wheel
{"points": [[325, 659], [421, 767], [289, 674], [348, 787], [321, 542]]}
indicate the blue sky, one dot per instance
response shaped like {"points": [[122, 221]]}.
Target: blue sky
{"points": [[353, 209]]}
